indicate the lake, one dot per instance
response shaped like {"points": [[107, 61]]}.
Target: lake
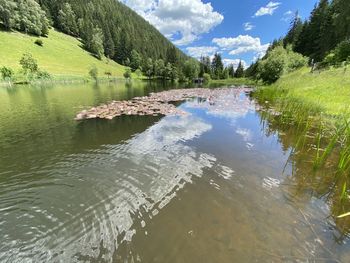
{"points": [[221, 184]]}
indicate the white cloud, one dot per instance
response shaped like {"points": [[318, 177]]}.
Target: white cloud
{"points": [[233, 62], [242, 44], [233, 42], [182, 21], [269, 9], [197, 52], [248, 26]]}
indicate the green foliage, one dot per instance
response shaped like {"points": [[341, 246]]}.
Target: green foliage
{"points": [[191, 69], [67, 20], [8, 13], [138, 73], [206, 78], [95, 43], [159, 68], [340, 54], [43, 75], [239, 71], [24, 15], [205, 66], [277, 62], [39, 42], [170, 72], [136, 60], [294, 32], [342, 51], [328, 25], [6, 73], [127, 74], [149, 68], [93, 72], [28, 63], [217, 66], [122, 29]]}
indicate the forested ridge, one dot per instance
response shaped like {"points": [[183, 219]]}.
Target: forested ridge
{"points": [[105, 27]]}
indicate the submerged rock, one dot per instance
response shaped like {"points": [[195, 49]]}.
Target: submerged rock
{"points": [[156, 103]]}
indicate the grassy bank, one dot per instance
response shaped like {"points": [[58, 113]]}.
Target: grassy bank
{"points": [[328, 90], [61, 55]]}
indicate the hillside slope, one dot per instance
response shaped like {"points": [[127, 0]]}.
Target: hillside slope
{"points": [[60, 55]]}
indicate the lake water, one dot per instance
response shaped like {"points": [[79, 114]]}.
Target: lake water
{"points": [[217, 185]]}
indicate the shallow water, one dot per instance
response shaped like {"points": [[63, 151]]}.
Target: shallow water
{"points": [[216, 185]]}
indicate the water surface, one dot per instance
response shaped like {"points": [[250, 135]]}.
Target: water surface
{"points": [[217, 185]]}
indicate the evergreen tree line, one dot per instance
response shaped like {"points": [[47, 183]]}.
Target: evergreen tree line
{"points": [[106, 28], [327, 27], [216, 70]]}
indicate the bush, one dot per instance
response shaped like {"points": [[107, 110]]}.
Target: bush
{"points": [[138, 73], [191, 69], [108, 74], [342, 51], [42, 74], [39, 42], [93, 72], [6, 73], [279, 61], [127, 74], [206, 78], [28, 63]]}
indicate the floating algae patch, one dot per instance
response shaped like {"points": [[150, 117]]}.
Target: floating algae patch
{"points": [[158, 103]]}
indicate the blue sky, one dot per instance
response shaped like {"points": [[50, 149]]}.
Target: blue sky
{"points": [[238, 29]]}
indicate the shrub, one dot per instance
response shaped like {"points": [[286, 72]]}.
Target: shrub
{"points": [[42, 74], [191, 69], [6, 73], [127, 74], [342, 51], [108, 73], [28, 63], [138, 73], [279, 61], [206, 77], [39, 42], [93, 72]]}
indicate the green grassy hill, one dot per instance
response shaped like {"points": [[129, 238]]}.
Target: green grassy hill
{"points": [[61, 55]]}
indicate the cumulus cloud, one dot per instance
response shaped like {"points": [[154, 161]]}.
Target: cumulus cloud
{"points": [[269, 9], [197, 52], [234, 62], [182, 21], [242, 44], [248, 26]]}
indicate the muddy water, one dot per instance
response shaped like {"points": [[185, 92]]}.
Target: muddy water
{"points": [[216, 185]]}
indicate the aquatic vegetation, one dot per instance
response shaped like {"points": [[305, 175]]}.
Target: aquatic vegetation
{"points": [[319, 142]]}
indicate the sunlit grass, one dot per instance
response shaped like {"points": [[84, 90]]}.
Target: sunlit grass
{"points": [[61, 55], [329, 90]]}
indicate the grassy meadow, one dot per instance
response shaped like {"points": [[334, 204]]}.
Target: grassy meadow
{"points": [[327, 90], [61, 55]]}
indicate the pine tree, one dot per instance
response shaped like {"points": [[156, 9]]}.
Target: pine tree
{"points": [[240, 70], [294, 31], [67, 20], [217, 66]]}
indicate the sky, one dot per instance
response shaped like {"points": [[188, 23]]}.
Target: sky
{"points": [[237, 29]]}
